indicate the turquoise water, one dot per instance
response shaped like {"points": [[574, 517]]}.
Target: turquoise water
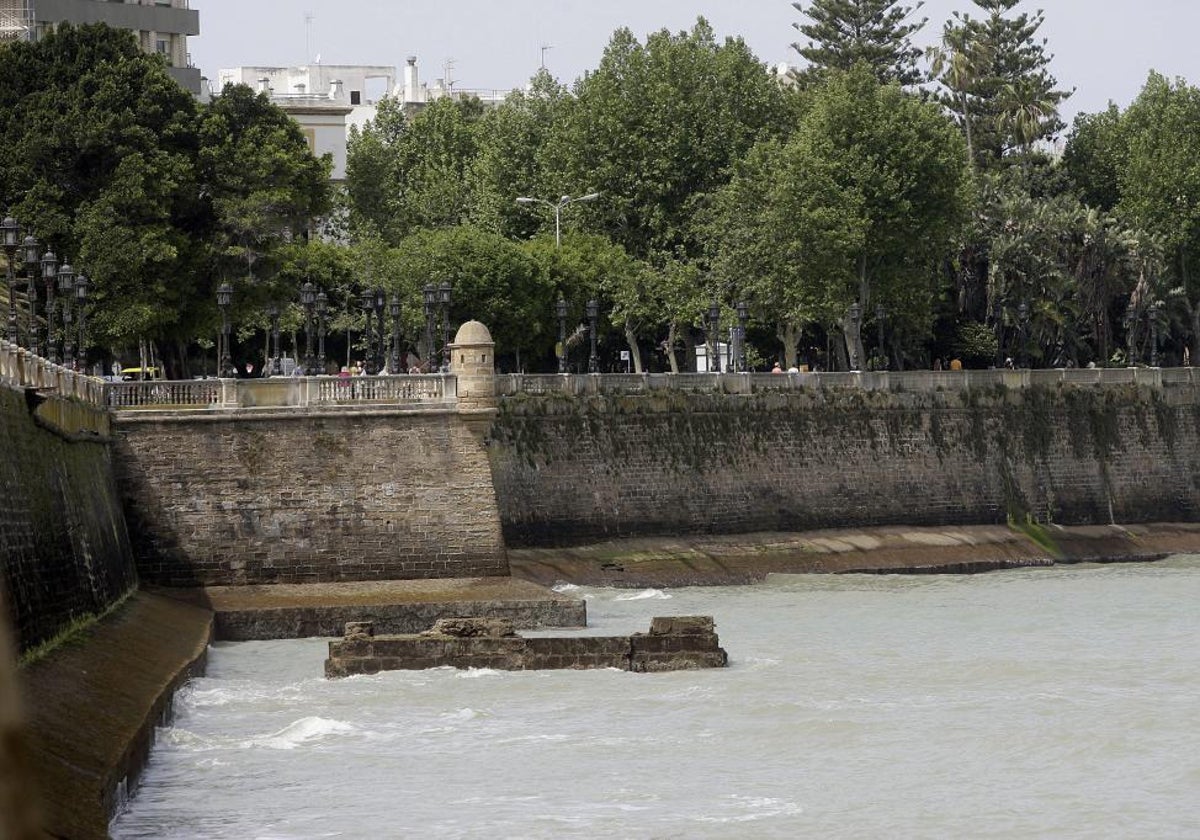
{"points": [[1038, 703]]}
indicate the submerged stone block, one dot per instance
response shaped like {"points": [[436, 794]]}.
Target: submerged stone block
{"points": [[674, 643]]}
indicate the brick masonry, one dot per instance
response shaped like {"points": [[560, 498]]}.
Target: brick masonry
{"points": [[64, 549], [570, 470], [306, 497]]}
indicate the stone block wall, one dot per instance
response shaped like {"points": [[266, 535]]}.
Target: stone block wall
{"points": [[572, 469], [64, 549], [299, 496]]}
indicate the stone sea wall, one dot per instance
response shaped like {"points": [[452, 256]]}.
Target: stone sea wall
{"points": [[571, 469], [64, 549], [305, 496]]}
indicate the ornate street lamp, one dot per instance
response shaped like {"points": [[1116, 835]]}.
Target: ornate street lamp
{"points": [[10, 237], [81, 293], [714, 323], [879, 316], [593, 313], [308, 299], [394, 311], [444, 292], [743, 315], [322, 305], [50, 279], [379, 353], [66, 291], [32, 260], [276, 366], [1023, 321], [366, 302], [561, 310], [430, 301], [224, 354], [855, 319], [1152, 315]]}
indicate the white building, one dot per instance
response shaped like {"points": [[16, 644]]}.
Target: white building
{"points": [[326, 99]]}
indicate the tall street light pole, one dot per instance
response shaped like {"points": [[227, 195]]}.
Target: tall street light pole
{"points": [[225, 363], [32, 260], [66, 290], [558, 207], [743, 315], [561, 309], [322, 305], [81, 293], [49, 278], [444, 292], [276, 367], [430, 294], [308, 299], [593, 313], [380, 352], [394, 311], [10, 237], [714, 322]]}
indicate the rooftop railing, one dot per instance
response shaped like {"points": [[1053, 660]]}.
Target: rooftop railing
{"points": [[282, 392]]}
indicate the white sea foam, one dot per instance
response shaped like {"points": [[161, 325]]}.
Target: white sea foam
{"points": [[752, 808], [565, 587], [300, 732], [644, 595], [478, 673]]}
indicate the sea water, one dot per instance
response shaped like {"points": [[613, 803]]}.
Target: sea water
{"points": [[1059, 702]]}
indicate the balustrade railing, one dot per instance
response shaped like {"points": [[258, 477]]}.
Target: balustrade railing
{"points": [[21, 369], [917, 381]]}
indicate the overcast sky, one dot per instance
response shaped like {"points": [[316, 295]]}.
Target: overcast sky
{"points": [[1102, 48]]}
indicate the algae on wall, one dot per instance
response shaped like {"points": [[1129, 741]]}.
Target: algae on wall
{"points": [[572, 469], [64, 547]]}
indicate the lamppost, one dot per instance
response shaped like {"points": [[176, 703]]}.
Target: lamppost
{"points": [[714, 324], [998, 324], [444, 292], [308, 299], [743, 315], [855, 320], [225, 363], [66, 291], [322, 305], [49, 278], [380, 352], [558, 207], [366, 302], [593, 313], [1023, 335], [394, 311], [81, 293], [276, 368], [879, 316], [31, 248], [1152, 315], [430, 299], [10, 236], [561, 311]]}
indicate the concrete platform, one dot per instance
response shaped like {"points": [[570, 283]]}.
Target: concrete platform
{"points": [[92, 705], [715, 560], [293, 611]]}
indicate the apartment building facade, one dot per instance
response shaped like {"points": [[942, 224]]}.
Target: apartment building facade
{"points": [[161, 26]]}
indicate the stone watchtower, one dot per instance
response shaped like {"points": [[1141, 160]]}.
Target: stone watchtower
{"points": [[473, 362]]}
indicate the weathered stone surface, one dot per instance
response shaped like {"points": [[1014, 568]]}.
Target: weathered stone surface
{"points": [[307, 497], [467, 628], [359, 630], [680, 643], [64, 548], [574, 470]]}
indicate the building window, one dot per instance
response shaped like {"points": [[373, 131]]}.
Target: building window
{"points": [[356, 97]]}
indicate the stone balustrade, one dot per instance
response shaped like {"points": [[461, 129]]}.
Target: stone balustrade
{"points": [[919, 381], [281, 392], [21, 369]]}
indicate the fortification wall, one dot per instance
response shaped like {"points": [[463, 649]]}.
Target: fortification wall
{"points": [[304, 496], [576, 468], [64, 548]]}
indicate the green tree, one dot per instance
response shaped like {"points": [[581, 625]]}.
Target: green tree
{"points": [[97, 150], [494, 280], [1094, 157], [371, 159], [511, 144], [1159, 183], [996, 75], [785, 234], [657, 128], [842, 33]]}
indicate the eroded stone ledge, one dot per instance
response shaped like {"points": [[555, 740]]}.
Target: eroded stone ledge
{"points": [[674, 643]]}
